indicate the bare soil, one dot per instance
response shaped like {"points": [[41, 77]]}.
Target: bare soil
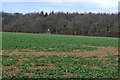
{"points": [[102, 51], [94, 67], [69, 74]]}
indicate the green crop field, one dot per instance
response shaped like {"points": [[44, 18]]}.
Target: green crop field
{"points": [[42, 42], [26, 55]]}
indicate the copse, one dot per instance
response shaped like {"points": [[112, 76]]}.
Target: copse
{"points": [[90, 24]]}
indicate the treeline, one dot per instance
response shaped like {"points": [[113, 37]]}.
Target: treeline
{"points": [[90, 24]]}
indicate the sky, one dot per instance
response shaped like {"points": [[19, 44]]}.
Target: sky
{"points": [[81, 6]]}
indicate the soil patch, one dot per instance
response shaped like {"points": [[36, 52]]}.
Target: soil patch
{"points": [[94, 67], [69, 74], [41, 67], [103, 51]]}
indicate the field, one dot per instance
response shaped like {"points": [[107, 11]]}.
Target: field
{"points": [[26, 55]]}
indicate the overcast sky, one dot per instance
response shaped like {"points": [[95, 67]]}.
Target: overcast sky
{"points": [[26, 6]]}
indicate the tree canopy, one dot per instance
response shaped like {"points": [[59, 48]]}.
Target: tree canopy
{"points": [[90, 24]]}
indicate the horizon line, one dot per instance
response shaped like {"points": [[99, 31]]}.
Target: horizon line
{"points": [[85, 12]]}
